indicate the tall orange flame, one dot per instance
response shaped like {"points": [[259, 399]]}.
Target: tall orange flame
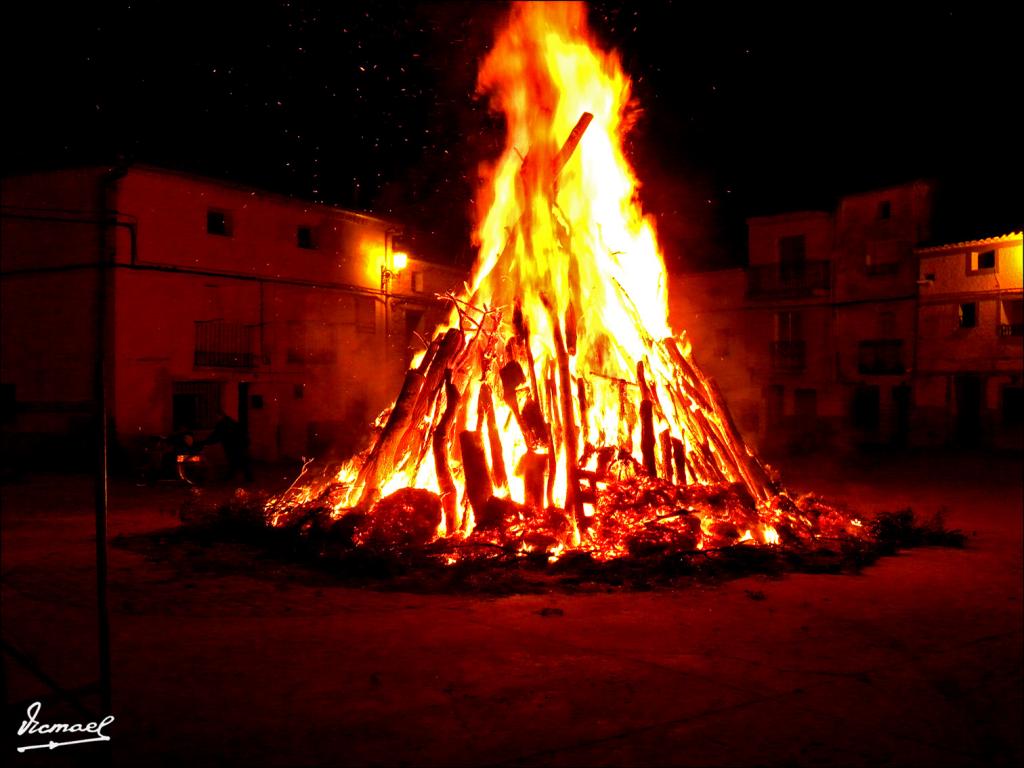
{"points": [[557, 374]]}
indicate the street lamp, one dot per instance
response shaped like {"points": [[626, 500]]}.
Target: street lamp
{"points": [[399, 261], [393, 264], [394, 261]]}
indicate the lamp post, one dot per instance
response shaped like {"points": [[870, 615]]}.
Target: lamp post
{"points": [[394, 263], [399, 260]]}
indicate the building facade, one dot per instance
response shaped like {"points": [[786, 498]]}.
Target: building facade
{"points": [[294, 317], [832, 335], [970, 343], [874, 302]]}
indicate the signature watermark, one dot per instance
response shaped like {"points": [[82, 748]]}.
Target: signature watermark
{"points": [[33, 726]]}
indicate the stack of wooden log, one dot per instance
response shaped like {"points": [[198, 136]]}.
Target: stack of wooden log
{"points": [[484, 366]]}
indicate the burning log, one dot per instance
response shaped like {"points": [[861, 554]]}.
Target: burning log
{"points": [[529, 418], [531, 469], [652, 393], [475, 357], [703, 462], [486, 418], [554, 431], [627, 420], [512, 377], [523, 334], [474, 466], [535, 429], [641, 380], [382, 457], [552, 401], [581, 396], [647, 437], [570, 330], [415, 436], [570, 145], [679, 460], [729, 444], [665, 442], [759, 475], [724, 458], [686, 377], [572, 504], [440, 440]]}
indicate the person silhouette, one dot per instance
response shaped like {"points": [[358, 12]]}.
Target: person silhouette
{"points": [[230, 434]]}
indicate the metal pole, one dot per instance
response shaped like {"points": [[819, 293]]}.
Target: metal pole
{"points": [[102, 440]]}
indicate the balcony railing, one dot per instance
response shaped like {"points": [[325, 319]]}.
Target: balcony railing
{"points": [[881, 357], [788, 356], [1011, 329], [226, 345], [774, 281]]}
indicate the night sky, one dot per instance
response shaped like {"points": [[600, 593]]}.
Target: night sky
{"points": [[373, 106]]}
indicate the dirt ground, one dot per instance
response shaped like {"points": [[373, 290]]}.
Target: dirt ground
{"points": [[915, 661]]}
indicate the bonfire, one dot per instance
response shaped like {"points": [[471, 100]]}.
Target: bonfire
{"points": [[556, 411]]}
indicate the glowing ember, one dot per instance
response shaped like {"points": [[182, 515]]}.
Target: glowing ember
{"points": [[557, 410]]}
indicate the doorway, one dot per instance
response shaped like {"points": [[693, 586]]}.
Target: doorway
{"points": [[243, 408], [867, 411], [901, 401], [969, 398]]}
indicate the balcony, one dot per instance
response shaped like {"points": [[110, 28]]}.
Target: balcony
{"points": [[226, 345], [881, 357], [1010, 329], [788, 356], [798, 281]]}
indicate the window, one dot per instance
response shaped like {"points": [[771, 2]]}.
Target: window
{"points": [[792, 257], [194, 404], [968, 315], [366, 314], [418, 284], [299, 391], [256, 401], [220, 344], [218, 223], [884, 210], [1011, 317], [884, 257], [981, 261], [305, 237], [788, 353]]}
